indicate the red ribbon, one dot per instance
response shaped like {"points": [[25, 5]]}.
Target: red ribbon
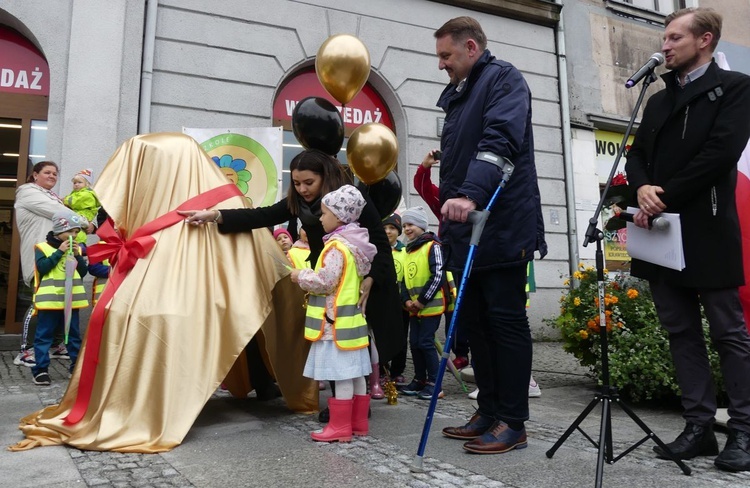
{"points": [[122, 255]]}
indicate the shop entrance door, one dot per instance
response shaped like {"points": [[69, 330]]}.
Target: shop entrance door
{"points": [[23, 141]]}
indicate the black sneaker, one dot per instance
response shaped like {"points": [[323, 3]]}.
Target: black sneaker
{"points": [[428, 391], [42, 379], [413, 388]]}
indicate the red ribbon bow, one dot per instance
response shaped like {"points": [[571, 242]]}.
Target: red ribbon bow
{"points": [[119, 252], [122, 255]]}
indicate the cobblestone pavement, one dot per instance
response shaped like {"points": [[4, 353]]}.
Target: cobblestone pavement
{"points": [[383, 458]]}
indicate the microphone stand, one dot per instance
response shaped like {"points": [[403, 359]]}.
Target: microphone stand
{"points": [[608, 393]]}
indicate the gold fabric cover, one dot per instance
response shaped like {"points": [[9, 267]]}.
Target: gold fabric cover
{"points": [[182, 316]]}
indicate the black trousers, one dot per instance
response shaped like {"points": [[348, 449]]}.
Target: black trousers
{"points": [[678, 309]]}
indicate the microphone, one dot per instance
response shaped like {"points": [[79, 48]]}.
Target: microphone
{"points": [[655, 222], [655, 60]]}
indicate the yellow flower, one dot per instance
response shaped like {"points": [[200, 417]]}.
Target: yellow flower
{"points": [[632, 293], [581, 265], [578, 275], [576, 301], [583, 334], [566, 282]]}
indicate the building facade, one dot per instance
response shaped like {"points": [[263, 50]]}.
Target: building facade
{"points": [[606, 41], [116, 69]]}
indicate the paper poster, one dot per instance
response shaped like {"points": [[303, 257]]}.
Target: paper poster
{"points": [[251, 158]]}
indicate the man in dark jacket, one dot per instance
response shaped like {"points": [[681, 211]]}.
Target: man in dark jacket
{"points": [[684, 160], [488, 125]]}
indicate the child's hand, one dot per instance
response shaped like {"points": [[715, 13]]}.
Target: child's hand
{"points": [[65, 246], [295, 275], [417, 305], [364, 293], [77, 249]]}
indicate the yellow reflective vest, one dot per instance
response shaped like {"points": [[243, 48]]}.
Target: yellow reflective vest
{"points": [[417, 274], [49, 290], [298, 257], [451, 286], [398, 261], [349, 325]]}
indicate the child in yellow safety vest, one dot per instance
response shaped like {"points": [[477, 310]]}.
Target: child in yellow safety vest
{"points": [[49, 291], [83, 200], [300, 251], [100, 272], [423, 295], [334, 321]]}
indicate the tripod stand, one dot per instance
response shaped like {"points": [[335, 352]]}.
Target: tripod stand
{"points": [[608, 393]]}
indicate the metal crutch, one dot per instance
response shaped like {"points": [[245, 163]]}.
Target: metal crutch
{"points": [[478, 218]]}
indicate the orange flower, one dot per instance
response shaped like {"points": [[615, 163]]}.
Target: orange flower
{"points": [[583, 334], [632, 293]]}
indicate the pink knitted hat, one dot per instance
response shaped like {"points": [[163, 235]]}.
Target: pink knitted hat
{"points": [[346, 203]]}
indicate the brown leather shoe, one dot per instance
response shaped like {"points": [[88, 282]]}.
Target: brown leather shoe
{"points": [[500, 438], [476, 426]]}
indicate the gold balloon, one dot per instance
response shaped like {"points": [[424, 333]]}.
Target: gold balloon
{"points": [[343, 66], [372, 152]]}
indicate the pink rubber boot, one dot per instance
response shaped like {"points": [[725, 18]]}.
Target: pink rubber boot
{"points": [[339, 427], [360, 412], [376, 391]]}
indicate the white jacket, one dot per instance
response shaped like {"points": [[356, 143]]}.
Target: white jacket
{"points": [[35, 207]]}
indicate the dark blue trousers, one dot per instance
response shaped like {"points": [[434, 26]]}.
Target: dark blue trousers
{"points": [[422, 341], [48, 321], [493, 311]]}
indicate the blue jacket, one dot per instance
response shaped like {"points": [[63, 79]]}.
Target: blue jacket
{"points": [[491, 113]]}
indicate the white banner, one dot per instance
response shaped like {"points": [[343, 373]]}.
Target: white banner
{"points": [[251, 158]]}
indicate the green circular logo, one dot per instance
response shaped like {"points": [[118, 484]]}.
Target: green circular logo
{"points": [[258, 178]]}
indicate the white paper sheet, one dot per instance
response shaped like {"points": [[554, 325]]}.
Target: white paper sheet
{"points": [[662, 247]]}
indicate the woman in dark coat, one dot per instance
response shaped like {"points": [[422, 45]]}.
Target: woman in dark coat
{"points": [[314, 173]]}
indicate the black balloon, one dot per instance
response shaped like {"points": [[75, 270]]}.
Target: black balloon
{"points": [[318, 125], [386, 194]]}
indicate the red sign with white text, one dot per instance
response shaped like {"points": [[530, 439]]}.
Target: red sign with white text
{"points": [[23, 69], [366, 107]]}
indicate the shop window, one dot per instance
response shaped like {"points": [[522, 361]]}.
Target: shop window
{"points": [[652, 11]]}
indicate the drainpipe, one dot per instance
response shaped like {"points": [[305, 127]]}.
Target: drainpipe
{"points": [[562, 70], [147, 69]]}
